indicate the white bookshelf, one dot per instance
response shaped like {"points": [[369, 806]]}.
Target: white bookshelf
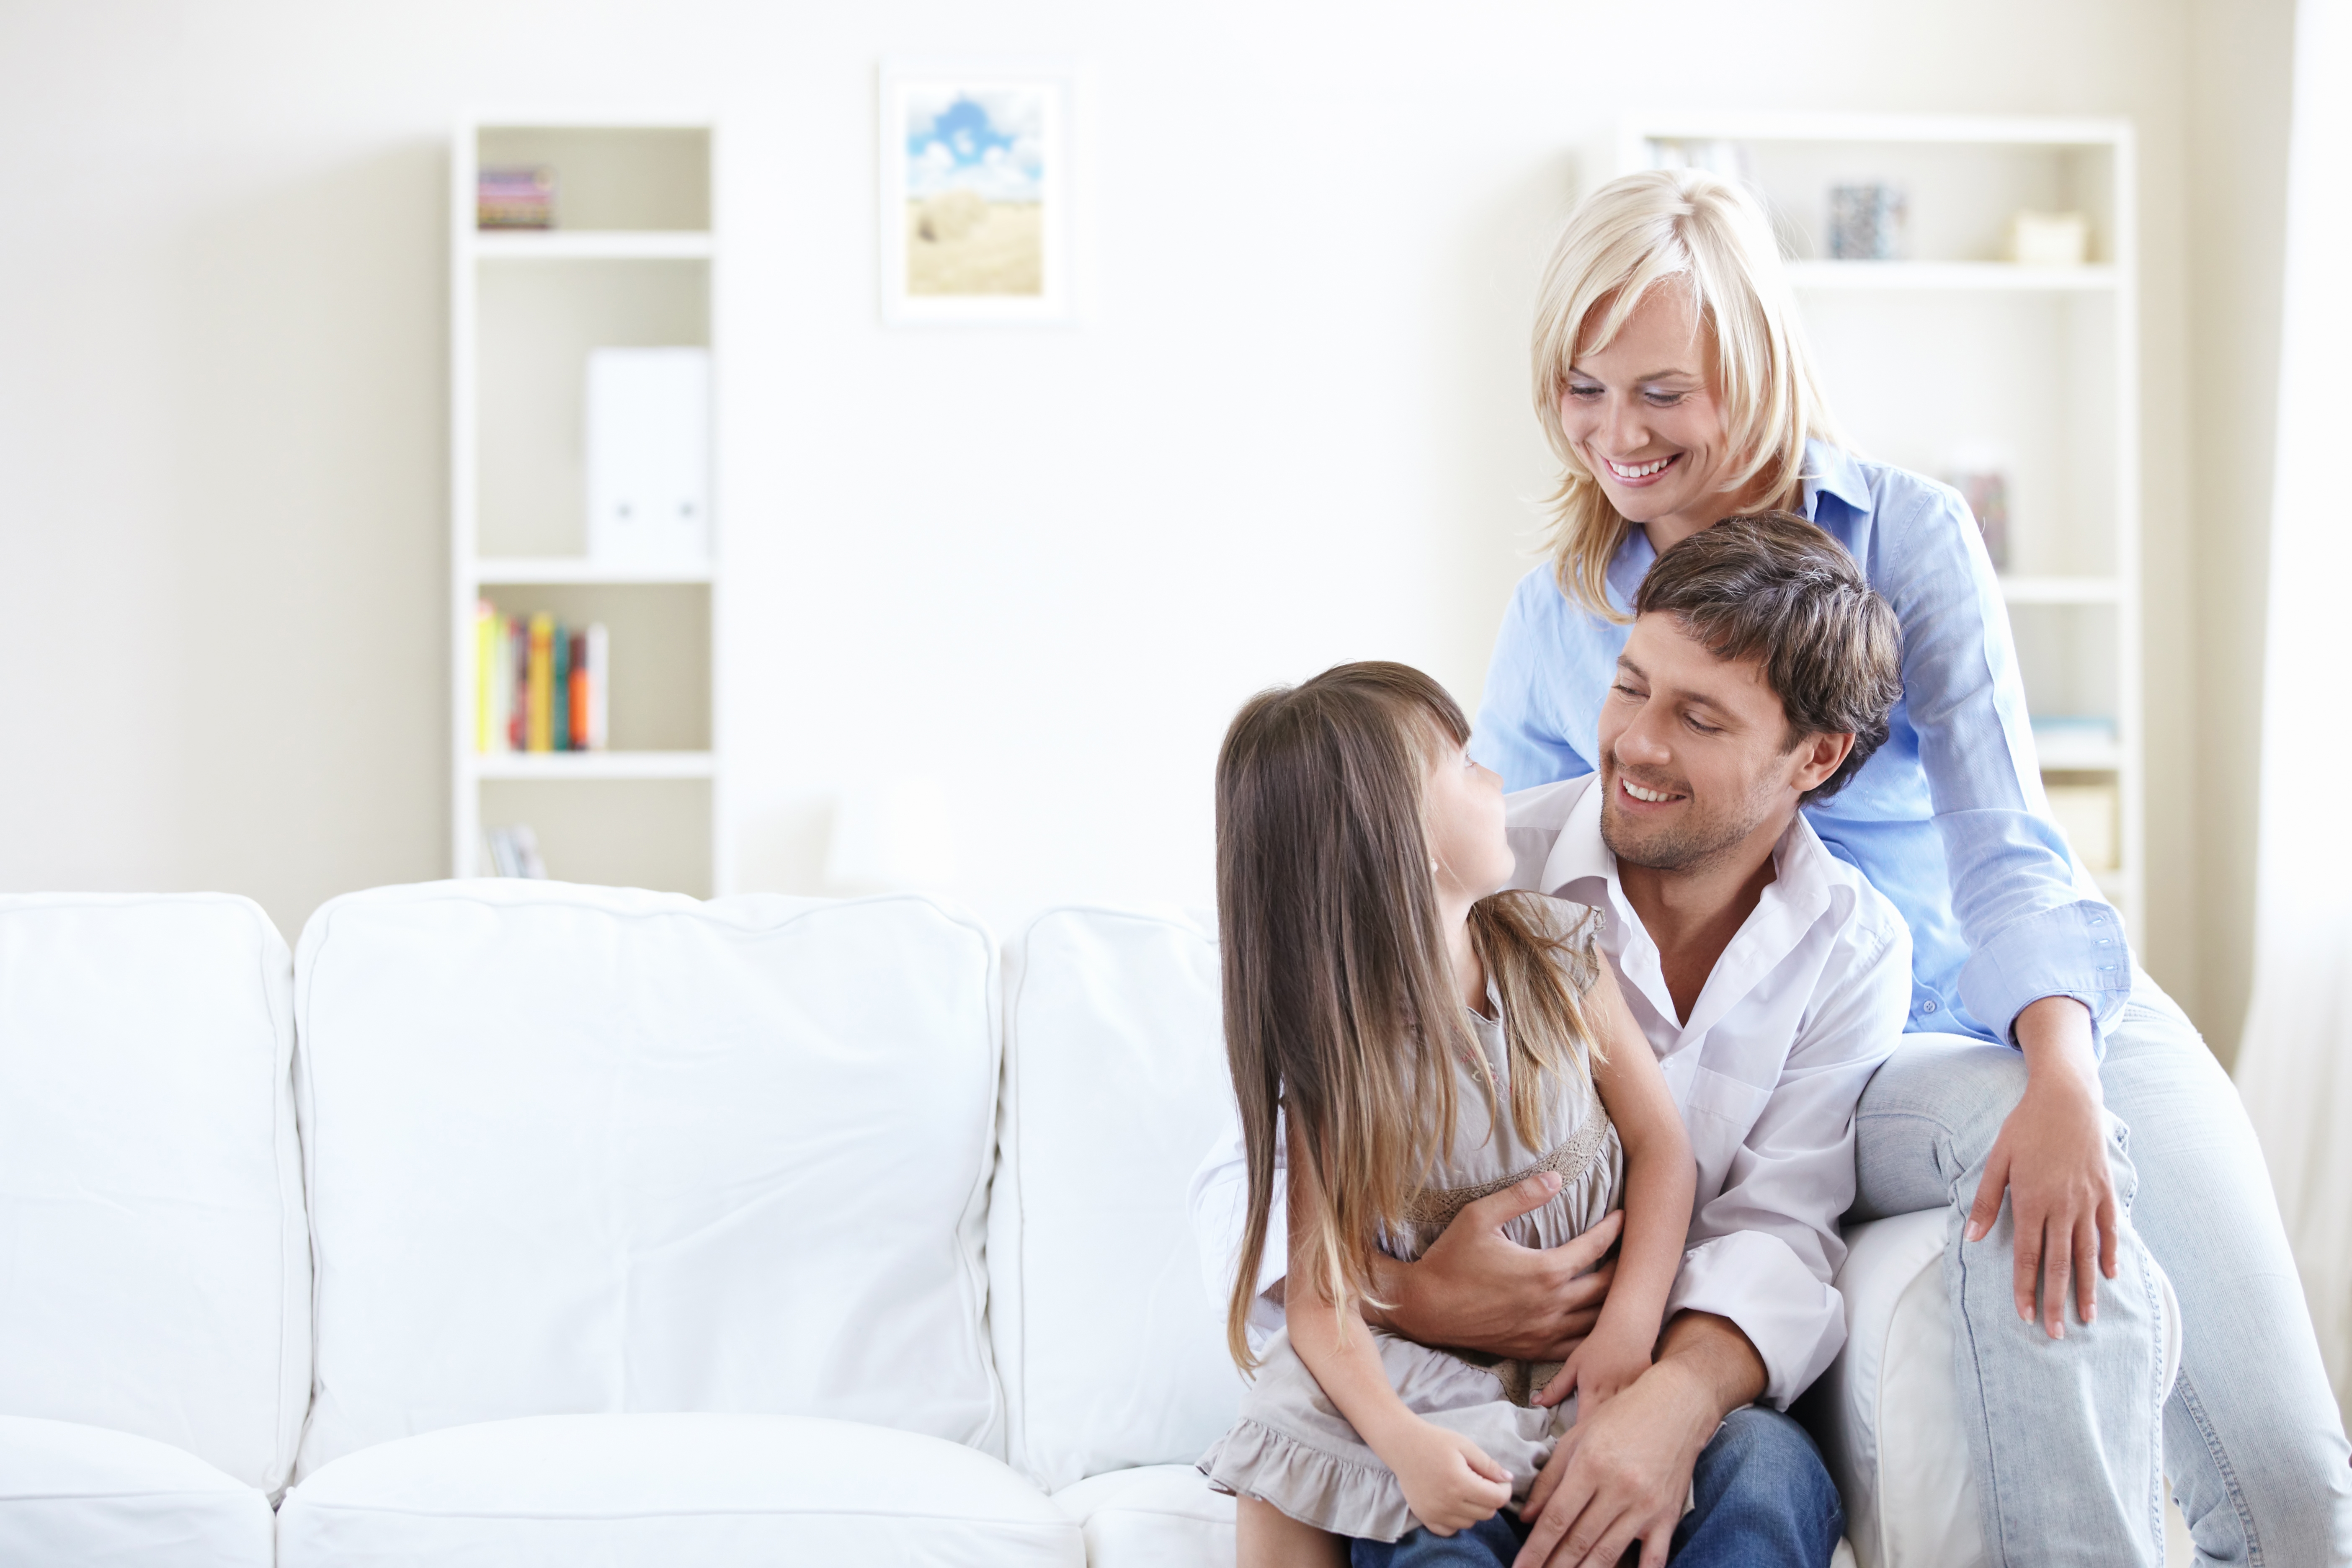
{"points": [[630, 263], [1953, 358]]}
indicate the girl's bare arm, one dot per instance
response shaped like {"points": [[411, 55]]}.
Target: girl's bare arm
{"points": [[1448, 1481], [1660, 1179]]}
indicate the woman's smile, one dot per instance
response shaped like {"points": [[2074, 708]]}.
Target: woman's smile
{"points": [[1638, 474]]}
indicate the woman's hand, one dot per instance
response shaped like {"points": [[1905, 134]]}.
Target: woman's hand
{"points": [[1607, 1362], [1449, 1482], [1477, 1289], [2052, 1158]]}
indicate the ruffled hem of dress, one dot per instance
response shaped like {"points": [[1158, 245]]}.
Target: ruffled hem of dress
{"points": [[1364, 1502]]}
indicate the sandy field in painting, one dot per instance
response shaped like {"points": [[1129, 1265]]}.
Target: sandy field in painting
{"points": [[1003, 253]]}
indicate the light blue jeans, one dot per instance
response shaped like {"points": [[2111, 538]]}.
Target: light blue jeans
{"points": [[2069, 1440]]}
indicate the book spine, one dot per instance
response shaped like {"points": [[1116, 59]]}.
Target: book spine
{"points": [[486, 621], [559, 690], [599, 658], [502, 681], [575, 693], [540, 682], [517, 683]]}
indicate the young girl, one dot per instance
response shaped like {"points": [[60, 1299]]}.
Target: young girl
{"points": [[1425, 1040]]}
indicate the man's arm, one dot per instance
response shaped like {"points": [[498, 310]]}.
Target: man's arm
{"points": [[1623, 1471], [1474, 1288], [1762, 1252]]}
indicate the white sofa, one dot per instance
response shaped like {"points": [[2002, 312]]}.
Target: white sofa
{"points": [[515, 1223]]}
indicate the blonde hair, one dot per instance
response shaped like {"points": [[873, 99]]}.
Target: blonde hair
{"points": [[1713, 238], [1340, 1008]]}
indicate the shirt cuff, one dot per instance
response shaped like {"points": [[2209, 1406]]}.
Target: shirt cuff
{"points": [[1795, 1321], [2075, 950]]}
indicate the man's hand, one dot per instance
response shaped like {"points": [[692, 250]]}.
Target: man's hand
{"points": [[2052, 1158], [1476, 1289], [1623, 1471]]}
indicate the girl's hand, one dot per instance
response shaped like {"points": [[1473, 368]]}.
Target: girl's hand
{"points": [[1449, 1482], [1604, 1365]]}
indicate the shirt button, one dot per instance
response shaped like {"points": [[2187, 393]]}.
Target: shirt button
{"points": [[1928, 1007]]}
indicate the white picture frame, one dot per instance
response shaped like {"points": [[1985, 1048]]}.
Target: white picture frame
{"points": [[976, 191]]}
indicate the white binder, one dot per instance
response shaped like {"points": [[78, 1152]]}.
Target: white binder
{"points": [[648, 438]]}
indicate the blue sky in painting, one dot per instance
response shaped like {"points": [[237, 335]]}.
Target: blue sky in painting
{"points": [[986, 141]]}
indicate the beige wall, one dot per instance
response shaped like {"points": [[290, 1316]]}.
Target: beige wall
{"points": [[2239, 101], [1044, 566]]}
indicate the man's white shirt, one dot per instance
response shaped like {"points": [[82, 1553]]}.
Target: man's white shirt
{"points": [[1806, 1001]]}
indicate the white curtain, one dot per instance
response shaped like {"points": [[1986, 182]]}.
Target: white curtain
{"points": [[2295, 1068]]}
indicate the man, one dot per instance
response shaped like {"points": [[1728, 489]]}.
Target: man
{"points": [[1771, 979]]}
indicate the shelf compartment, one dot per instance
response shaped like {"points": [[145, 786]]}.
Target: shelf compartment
{"points": [[536, 322], [2025, 384], [551, 766], [636, 177], [597, 244], [575, 569], [659, 697], [634, 832]]}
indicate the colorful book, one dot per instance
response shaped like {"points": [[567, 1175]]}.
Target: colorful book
{"points": [[485, 628], [540, 683], [517, 684], [559, 690]]}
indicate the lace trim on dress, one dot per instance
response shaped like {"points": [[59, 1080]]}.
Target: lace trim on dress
{"points": [[1435, 1207]]}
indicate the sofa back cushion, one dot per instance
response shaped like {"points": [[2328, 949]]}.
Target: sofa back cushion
{"points": [[579, 1149], [1115, 1086], [154, 1273]]}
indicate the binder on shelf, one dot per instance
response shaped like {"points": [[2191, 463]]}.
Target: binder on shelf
{"points": [[649, 443]]}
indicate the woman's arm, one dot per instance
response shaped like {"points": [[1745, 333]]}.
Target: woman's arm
{"points": [[1449, 1482], [2048, 966], [1660, 1182]]}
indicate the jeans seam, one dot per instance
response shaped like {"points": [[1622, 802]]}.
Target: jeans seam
{"points": [[2184, 1390], [1990, 1501]]}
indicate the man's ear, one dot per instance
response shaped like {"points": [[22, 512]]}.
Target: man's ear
{"points": [[1816, 757]]}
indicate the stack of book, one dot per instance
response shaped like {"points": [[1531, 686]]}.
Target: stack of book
{"points": [[539, 685], [514, 198]]}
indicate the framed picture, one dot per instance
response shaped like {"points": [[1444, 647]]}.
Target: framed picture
{"points": [[975, 191]]}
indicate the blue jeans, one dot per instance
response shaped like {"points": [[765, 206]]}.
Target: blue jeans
{"points": [[1764, 1501], [2068, 1440]]}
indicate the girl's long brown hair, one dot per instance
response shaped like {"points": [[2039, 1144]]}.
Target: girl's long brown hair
{"points": [[1340, 1005]]}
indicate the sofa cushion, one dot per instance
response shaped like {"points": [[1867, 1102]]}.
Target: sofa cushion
{"points": [[72, 1495], [1115, 1086], [1157, 1516], [578, 1149], [713, 1491], [154, 1269]]}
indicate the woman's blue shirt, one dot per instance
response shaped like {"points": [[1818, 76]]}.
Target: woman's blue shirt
{"points": [[1948, 820]]}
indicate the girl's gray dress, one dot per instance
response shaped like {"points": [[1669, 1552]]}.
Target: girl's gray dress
{"points": [[1291, 1448]]}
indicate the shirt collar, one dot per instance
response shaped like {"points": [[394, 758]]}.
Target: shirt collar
{"points": [[1835, 471], [1791, 903]]}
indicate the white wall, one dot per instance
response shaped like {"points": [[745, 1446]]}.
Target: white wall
{"points": [[1042, 565]]}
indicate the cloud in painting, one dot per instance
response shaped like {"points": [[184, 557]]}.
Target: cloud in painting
{"points": [[988, 141]]}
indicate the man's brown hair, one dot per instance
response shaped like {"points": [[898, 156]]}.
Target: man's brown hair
{"points": [[1774, 586]]}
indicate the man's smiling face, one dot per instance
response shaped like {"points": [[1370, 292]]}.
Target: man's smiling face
{"points": [[1695, 753]]}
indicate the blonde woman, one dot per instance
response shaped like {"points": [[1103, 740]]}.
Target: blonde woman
{"points": [[1673, 383]]}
